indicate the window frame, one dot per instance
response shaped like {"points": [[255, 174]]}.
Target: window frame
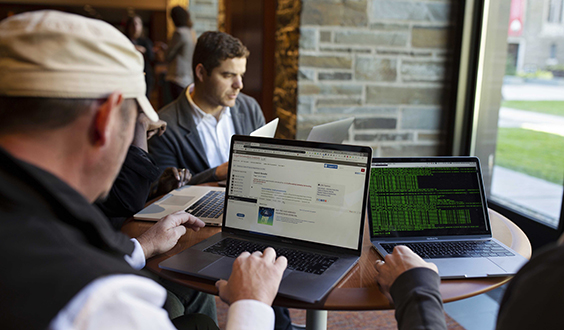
{"points": [[476, 48]]}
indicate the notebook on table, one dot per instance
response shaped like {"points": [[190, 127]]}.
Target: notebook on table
{"points": [[203, 202], [437, 207], [305, 199]]}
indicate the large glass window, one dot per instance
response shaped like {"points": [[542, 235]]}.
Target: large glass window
{"points": [[518, 113]]}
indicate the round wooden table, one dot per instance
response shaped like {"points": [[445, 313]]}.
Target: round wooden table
{"points": [[357, 290]]}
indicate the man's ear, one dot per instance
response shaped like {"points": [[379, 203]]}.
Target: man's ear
{"points": [[104, 117], [200, 72]]}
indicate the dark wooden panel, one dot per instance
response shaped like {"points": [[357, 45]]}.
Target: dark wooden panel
{"points": [[253, 22]]}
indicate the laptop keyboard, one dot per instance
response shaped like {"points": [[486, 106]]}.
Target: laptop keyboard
{"points": [[473, 249], [297, 260], [209, 206]]}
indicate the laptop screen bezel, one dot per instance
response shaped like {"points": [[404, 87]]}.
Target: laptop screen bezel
{"points": [[306, 144], [456, 159]]}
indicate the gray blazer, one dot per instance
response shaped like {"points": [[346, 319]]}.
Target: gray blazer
{"points": [[179, 57], [180, 146]]}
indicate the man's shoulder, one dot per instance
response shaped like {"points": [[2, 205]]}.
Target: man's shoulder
{"points": [[171, 112], [246, 102]]}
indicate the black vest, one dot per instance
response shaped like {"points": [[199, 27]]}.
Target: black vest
{"points": [[53, 243]]}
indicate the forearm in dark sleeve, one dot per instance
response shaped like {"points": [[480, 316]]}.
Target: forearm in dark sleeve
{"points": [[418, 301], [205, 176], [131, 188], [163, 153]]}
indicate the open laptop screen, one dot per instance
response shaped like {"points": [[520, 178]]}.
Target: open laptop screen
{"points": [[304, 192], [427, 197]]}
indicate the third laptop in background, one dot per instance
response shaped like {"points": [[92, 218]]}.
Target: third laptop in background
{"points": [[203, 202], [333, 132], [437, 207]]}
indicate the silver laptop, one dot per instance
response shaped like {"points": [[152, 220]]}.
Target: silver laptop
{"points": [[267, 130], [203, 202], [437, 207], [305, 199], [333, 132]]}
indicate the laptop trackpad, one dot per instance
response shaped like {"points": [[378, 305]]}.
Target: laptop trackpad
{"points": [[222, 269], [465, 267], [219, 269]]}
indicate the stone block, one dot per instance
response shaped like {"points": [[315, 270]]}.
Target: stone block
{"points": [[305, 104], [408, 11], [375, 123], [327, 62], [322, 89], [411, 150], [308, 89], [384, 137], [396, 39], [306, 75], [345, 50], [334, 76], [429, 37], [373, 111], [334, 13], [325, 36], [341, 101], [404, 95], [389, 27], [428, 119], [431, 137], [304, 109], [336, 50], [375, 69], [405, 53], [308, 39], [440, 12], [422, 71]]}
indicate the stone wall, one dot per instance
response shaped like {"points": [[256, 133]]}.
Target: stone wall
{"points": [[204, 14], [385, 62]]}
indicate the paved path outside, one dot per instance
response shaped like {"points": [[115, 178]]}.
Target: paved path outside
{"points": [[532, 92], [539, 196], [531, 120]]}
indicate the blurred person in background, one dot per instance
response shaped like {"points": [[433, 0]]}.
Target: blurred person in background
{"points": [[179, 52], [134, 31]]}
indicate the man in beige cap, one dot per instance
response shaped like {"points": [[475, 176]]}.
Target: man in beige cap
{"points": [[70, 90]]}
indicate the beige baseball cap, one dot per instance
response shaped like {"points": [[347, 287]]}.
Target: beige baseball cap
{"points": [[54, 54]]}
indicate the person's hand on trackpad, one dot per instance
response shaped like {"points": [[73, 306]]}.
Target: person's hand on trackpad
{"points": [[254, 276]]}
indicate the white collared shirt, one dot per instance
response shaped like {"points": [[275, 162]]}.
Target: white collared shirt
{"points": [[135, 302], [215, 135]]}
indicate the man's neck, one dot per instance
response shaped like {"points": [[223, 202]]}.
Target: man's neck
{"points": [[202, 103]]}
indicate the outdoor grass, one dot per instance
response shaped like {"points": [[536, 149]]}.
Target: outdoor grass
{"points": [[548, 107], [537, 154]]}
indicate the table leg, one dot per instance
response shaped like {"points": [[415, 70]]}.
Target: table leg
{"points": [[316, 320]]}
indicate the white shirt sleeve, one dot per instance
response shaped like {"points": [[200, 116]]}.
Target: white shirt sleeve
{"points": [[135, 302], [250, 314], [137, 258], [115, 302]]}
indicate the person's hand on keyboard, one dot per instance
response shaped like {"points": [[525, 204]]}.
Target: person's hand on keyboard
{"points": [[171, 178], [164, 234], [399, 261], [254, 276]]}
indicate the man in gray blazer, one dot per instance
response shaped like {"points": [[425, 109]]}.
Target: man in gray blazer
{"points": [[205, 116]]}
